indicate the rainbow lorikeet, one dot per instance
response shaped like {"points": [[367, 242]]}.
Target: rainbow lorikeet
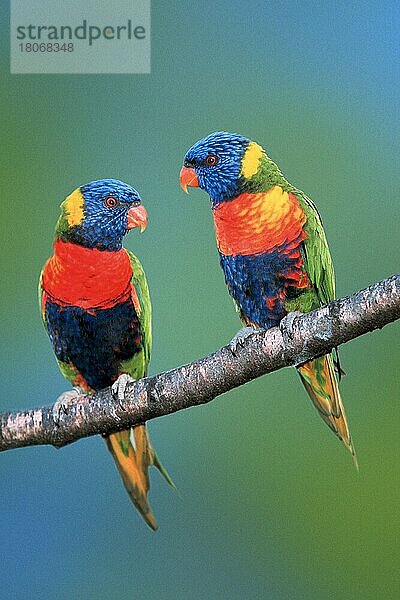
{"points": [[272, 249], [96, 309]]}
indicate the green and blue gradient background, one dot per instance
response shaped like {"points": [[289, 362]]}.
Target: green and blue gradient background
{"points": [[269, 504]]}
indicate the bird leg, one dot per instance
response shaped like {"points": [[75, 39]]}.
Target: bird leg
{"points": [[337, 364], [119, 386], [241, 337], [64, 401]]}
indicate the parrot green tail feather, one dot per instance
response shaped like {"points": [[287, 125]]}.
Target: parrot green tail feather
{"points": [[319, 379], [133, 455]]}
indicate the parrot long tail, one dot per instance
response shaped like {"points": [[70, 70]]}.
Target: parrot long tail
{"points": [[319, 379], [133, 455]]}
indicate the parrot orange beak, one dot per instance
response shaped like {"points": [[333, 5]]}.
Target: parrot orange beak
{"points": [[188, 178], [137, 217]]}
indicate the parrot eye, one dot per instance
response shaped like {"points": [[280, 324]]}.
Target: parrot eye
{"points": [[211, 160], [111, 202]]}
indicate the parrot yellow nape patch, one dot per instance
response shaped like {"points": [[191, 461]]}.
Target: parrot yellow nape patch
{"points": [[73, 206], [251, 160]]}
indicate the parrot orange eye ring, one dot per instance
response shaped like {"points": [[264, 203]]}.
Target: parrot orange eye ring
{"points": [[211, 160], [111, 202]]}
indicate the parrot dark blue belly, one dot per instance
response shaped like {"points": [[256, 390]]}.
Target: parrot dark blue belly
{"points": [[95, 341], [260, 284]]}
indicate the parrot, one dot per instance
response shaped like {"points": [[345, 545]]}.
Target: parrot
{"points": [[273, 252], [96, 309]]}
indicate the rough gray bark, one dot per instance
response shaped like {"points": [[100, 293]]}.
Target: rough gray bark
{"points": [[298, 338]]}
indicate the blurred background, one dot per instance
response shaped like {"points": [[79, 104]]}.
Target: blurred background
{"points": [[269, 504]]}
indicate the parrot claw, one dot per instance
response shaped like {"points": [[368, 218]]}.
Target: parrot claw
{"points": [[241, 337], [64, 401], [119, 386]]}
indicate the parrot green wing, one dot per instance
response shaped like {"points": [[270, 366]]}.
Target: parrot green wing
{"points": [[139, 282], [40, 298], [137, 366], [316, 255], [318, 375]]}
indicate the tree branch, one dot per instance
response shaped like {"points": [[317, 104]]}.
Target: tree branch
{"points": [[296, 340]]}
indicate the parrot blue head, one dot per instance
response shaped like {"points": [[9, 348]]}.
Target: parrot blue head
{"points": [[99, 214], [215, 164]]}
